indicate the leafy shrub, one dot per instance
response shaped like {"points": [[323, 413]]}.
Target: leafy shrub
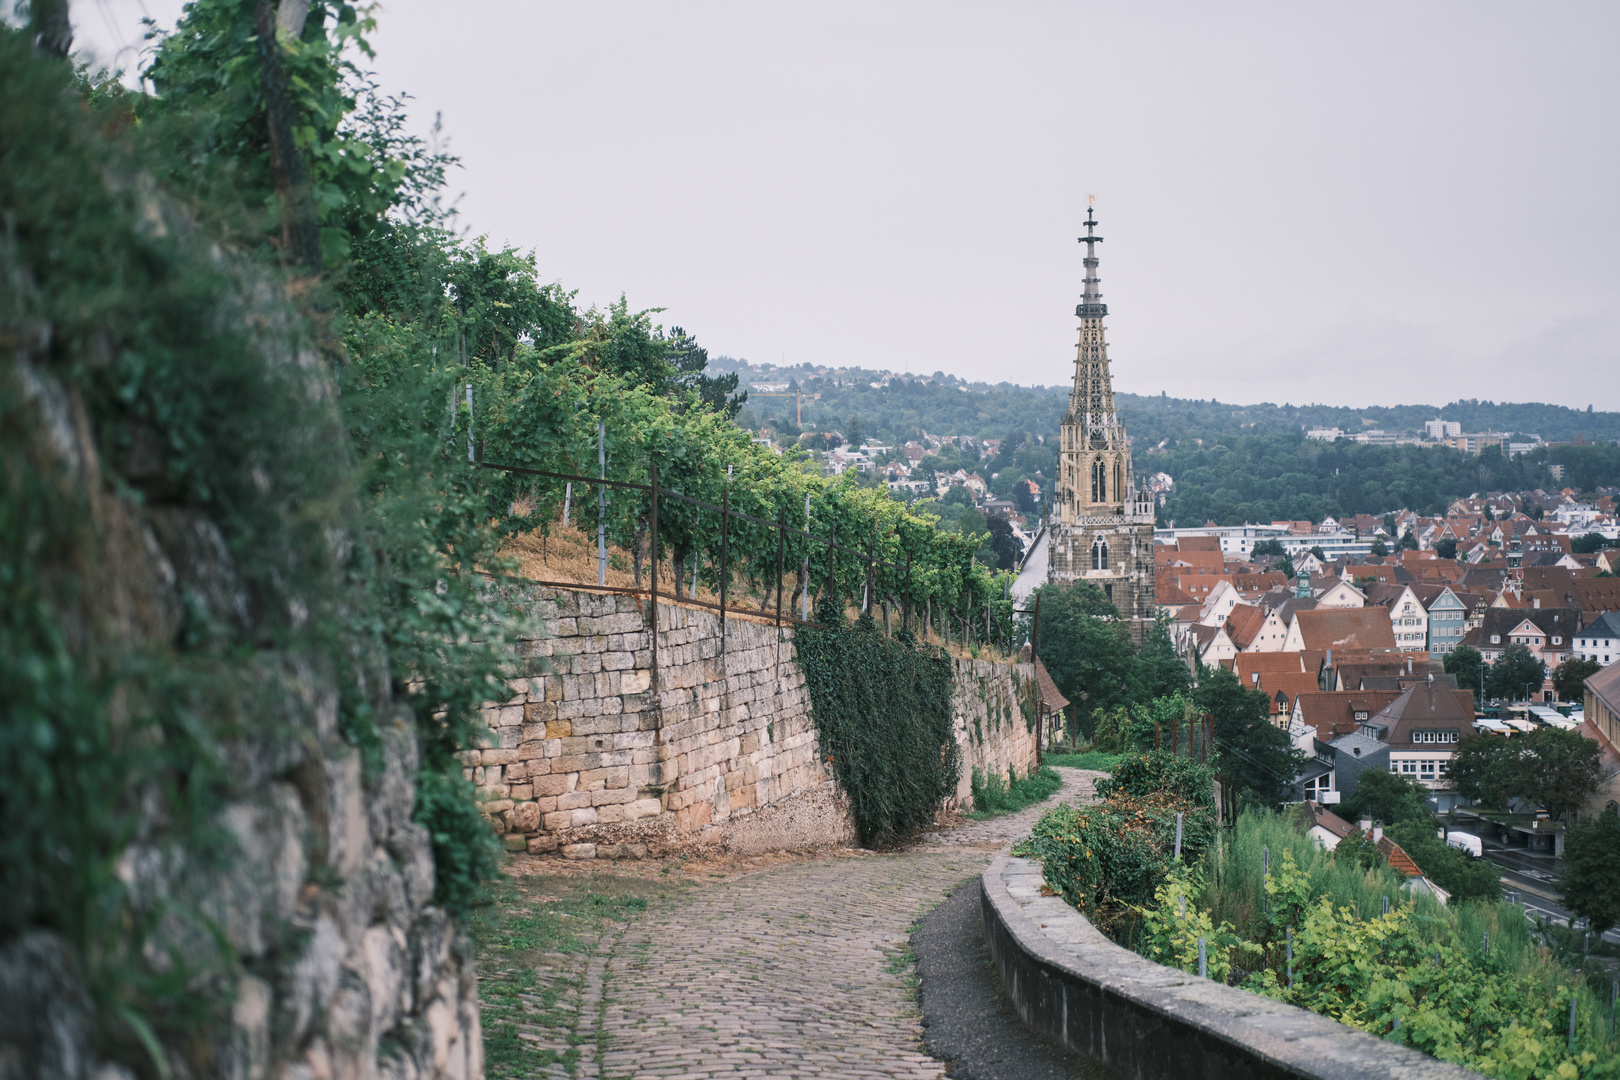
{"points": [[1107, 858], [1159, 772]]}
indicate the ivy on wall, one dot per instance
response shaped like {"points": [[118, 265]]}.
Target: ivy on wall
{"points": [[882, 709]]}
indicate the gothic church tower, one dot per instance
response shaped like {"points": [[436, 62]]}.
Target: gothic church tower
{"points": [[1101, 524]]}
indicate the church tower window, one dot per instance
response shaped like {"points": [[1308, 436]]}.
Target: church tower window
{"points": [[1099, 481], [1099, 554]]}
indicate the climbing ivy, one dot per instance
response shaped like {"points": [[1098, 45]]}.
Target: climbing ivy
{"points": [[882, 709]]}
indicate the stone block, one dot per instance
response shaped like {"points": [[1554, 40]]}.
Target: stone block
{"points": [[540, 844], [579, 851], [515, 842], [602, 797], [553, 783], [526, 817], [538, 712], [495, 806], [617, 661], [521, 792], [597, 779], [573, 800], [558, 819], [583, 817], [559, 729], [643, 808]]}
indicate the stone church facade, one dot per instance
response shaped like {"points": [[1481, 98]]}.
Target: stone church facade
{"points": [[1101, 521]]}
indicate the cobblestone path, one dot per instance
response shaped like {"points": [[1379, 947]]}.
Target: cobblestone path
{"points": [[801, 971]]}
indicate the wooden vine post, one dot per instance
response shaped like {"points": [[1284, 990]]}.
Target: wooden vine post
{"points": [[905, 617], [652, 577], [781, 551], [725, 567], [1034, 638]]}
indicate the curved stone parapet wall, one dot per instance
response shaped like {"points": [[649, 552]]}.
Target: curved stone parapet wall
{"points": [[1144, 1020], [608, 750]]}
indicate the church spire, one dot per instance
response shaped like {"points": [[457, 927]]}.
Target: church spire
{"points": [[1091, 403]]}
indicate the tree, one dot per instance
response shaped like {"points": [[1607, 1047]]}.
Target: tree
{"points": [[1554, 769], [1591, 882], [1160, 672], [1461, 873], [1516, 673], [1085, 647], [854, 432], [1285, 566], [1484, 769], [1570, 677], [1588, 543], [1255, 760], [1316, 549], [1388, 797], [956, 496], [1446, 548], [1003, 542], [1563, 770], [1407, 542], [689, 360], [1465, 662], [1379, 547], [1265, 548]]}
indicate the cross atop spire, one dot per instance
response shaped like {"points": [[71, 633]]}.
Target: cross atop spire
{"points": [[1091, 305]]}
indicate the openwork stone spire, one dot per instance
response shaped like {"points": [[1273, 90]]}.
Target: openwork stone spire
{"points": [[1091, 403]]}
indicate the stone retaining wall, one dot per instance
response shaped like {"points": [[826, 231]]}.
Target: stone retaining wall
{"points": [[600, 754], [1141, 1019]]}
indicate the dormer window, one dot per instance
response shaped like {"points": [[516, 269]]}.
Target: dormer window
{"points": [[1557, 640], [1496, 639]]}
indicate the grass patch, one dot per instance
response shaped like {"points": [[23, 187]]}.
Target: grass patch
{"points": [[530, 943], [1091, 759], [992, 795]]}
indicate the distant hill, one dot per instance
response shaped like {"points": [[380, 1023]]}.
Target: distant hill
{"points": [[945, 405], [1230, 463]]}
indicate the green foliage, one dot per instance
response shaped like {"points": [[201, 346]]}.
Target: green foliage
{"points": [[466, 851], [1465, 662], [1086, 648], [1173, 926], [1107, 858], [205, 397], [882, 709], [1420, 966], [1591, 882], [1550, 768], [992, 795], [1515, 674], [1446, 548], [1098, 760], [1387, 797], [1569, 679], [1256, 761], [1464, 875], [1587, 543]]}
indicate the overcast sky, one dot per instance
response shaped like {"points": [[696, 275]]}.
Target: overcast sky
{"points": [[1376, 203]]}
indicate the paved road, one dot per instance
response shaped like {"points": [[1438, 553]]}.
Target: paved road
{"points": [[801, 971], [1531, 878]]}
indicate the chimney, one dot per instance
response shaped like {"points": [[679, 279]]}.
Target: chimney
{"points": [[1378, 833], [1366, 824]]}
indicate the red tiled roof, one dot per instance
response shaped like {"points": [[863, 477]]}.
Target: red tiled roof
{"points": [[1346, 628]]}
